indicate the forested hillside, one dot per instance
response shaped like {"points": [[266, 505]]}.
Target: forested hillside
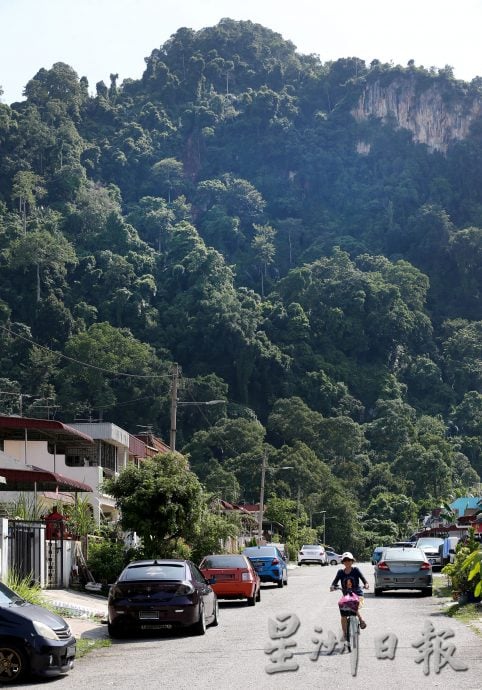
{"points": [[304, 239]]}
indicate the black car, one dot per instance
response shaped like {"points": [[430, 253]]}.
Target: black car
{"points": [[32, 640], [161, 594]]}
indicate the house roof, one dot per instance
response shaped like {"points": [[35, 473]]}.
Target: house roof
{"points": [[18, 428], [461, 505]]}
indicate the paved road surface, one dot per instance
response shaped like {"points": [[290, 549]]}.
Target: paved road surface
{"points": [[232, 655]]}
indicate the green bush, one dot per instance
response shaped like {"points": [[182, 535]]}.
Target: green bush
{"points": [[106, 559]]}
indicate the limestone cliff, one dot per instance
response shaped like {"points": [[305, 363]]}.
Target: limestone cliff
{"points": [[433, 115]]}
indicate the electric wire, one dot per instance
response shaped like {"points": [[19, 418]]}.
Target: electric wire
{"points": [[84, 364]]}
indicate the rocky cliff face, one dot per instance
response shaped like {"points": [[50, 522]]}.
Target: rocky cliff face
{"points": [[434, 120]]}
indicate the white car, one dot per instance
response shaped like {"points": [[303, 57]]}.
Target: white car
{"points": [[333, 558], [312, 553]]}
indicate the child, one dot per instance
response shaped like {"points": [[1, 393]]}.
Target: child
{"points": [[349, 578]]}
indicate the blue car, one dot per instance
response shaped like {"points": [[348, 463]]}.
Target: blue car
{"points": [[377, 554], [269, 563]]}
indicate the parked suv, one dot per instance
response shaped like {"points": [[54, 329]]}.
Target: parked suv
{"points": [[431, 548], [312, 553]]}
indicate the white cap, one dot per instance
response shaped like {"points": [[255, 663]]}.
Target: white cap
{"points": [[346, 555]]}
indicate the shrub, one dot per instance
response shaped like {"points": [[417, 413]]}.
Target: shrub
{"points": [[106, 559]]}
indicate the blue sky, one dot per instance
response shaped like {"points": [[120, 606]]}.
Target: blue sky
{"points": [[97, 37]]}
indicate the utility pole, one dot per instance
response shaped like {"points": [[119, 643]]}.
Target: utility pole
{"points": [[174, 385], [261, 499]]}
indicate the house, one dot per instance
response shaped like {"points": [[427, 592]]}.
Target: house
{"points": [[467, 505], [248, 524], [87, 453]]}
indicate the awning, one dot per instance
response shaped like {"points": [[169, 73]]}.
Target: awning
{"points": [[29, 478], [20, 428]]}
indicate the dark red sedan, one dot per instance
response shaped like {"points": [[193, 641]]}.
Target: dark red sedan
{"points": [[161, 594], [233, 577]]}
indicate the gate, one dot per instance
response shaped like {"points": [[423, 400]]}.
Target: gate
{"points": [[36, 551]]}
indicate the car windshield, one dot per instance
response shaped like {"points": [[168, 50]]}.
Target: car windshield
{"points": [[404, 555], [429, 542], [228, 561], [311, 546], [260, 552], [156, 571], [8, 596]]}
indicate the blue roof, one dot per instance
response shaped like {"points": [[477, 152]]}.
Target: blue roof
{"points": [[466, 503]]}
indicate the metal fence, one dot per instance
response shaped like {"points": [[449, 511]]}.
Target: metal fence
{"points": [[36, 551]]}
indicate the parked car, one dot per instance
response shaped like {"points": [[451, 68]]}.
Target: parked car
{"points": [[312, 553], [32, 640], [377, 554], [333, 558], [233, 576], [161, 594], [268, 563], [430, 545], [401, 568]]}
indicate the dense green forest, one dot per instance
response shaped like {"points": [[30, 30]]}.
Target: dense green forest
{"points": [[321, 272]]}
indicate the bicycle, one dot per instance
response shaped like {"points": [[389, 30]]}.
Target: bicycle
{"points": [[352, 633]]}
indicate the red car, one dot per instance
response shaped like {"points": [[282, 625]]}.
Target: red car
{"points": [[234, 577]]}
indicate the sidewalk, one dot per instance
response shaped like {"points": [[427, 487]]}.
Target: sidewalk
{"points": [[87, 610]]}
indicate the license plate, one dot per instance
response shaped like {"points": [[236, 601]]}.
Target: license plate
{"points": [[404, 579], [149, 615], [70, 652], [157, 626], [432, 560]]}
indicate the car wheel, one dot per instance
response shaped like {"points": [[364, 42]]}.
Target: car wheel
{"points": [[286, 579], [333, 562], [427, 592], [258, 596], [378, 591], [251, 600], [117, 631], [299, 562], [13, 664], [199, 628], [280, 582], [216, 614]]}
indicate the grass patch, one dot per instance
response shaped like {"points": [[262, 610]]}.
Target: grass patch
{"points": [[441, 588], [84, 646], [470, 614], [25, 587]]}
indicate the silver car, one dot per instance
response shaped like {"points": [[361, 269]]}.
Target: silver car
{"points": [[312, 553], [401, 568], [431, 547]]}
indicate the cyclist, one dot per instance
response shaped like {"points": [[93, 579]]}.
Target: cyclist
{"points": [[349, 578]]}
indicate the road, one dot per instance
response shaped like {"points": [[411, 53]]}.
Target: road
{"points": [[232, 655]]}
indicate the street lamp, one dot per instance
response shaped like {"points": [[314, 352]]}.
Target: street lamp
{"points": [[175, 404], [261, 493], [316, 512], [325, 518]]}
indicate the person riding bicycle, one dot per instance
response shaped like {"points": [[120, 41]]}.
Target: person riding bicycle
{"points": [[349, 578]]}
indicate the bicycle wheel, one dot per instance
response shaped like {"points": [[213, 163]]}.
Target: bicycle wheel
{"points": [[354, 632]]}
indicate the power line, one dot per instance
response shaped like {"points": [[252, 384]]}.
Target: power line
{"points": [[85, 364]]}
